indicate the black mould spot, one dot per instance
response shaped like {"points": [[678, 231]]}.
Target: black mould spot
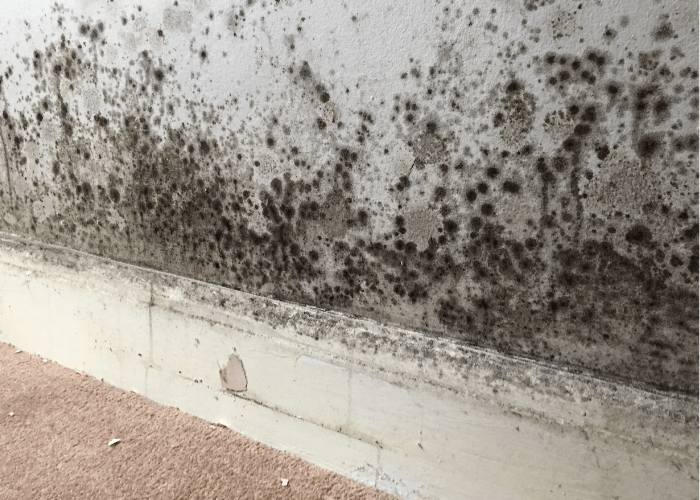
{"points": [[305, 71], [321, 124], [541, 165], [648, 146], [571, 144], [511, 187], [664, 32], [686, 143], [114, 195], [325, 97], [159, 74], [431, 127], [367, 117], [482, 187], [204, 147], [439, 193], [596, 58], [609, 33], [639, 234], [451, 226], [661, 109], [270, 141], [203, 54], [589, 114], [582, 130], [691, 233], [613, 89], [603, 152], [363, 217], [498, 119], [642, 95], [492, 172], [513, 87], [276, 185], [487, 209], [471, 195]]}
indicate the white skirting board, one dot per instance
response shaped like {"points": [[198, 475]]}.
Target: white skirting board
{"points": [[415, 416]]}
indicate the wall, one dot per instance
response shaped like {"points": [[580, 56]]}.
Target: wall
{"points": [[520, 176]]}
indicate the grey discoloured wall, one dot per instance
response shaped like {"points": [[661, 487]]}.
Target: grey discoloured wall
{"points": [[518, 175]]}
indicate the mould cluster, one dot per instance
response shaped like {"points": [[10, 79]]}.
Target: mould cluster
{"points": [[543, 205]]}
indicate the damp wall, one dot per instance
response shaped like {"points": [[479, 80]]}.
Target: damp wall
{"points": [[516, 175]]}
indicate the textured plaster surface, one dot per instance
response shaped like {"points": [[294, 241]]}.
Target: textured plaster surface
{"points": [[518, 175]]}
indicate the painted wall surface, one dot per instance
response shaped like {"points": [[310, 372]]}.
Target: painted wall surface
{"points": [[518, 175]]}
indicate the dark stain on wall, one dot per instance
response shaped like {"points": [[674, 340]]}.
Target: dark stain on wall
{"points": [[599, 274]]}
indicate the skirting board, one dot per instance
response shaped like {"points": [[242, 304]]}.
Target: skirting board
{"points": [[415, 416]]}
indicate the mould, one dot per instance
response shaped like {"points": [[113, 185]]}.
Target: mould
{"points": [[542, 204], [664, 31]]}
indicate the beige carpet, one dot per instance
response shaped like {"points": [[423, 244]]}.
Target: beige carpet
{"points": [[55, 446]]}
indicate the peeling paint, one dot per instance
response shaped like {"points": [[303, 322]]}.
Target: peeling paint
{"points": [[233, 376]]}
